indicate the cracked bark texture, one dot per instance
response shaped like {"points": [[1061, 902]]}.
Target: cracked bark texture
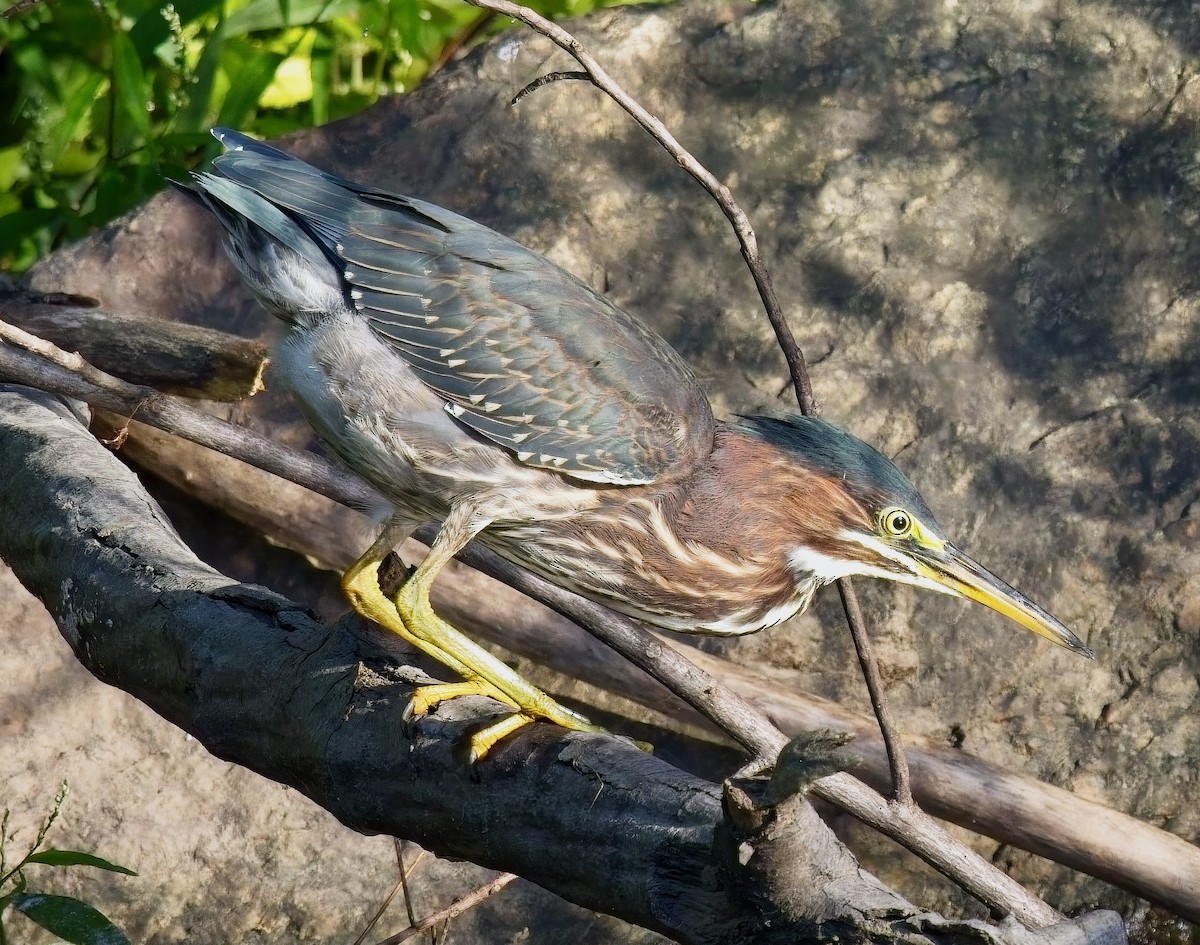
{"points": [[983, 218], [260, 682]]}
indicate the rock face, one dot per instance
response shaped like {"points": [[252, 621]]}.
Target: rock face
{"points": [[982, 220]]}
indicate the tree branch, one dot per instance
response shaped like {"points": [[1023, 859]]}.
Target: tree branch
{"points": [[456, 908], [142, 613], [172, 357], [725, 708], [951, 784]]}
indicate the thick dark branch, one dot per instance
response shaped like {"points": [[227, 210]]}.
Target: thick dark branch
{"points": [[951, 784], [264, 685], [169, 356], [720, 704], [589, 817]]}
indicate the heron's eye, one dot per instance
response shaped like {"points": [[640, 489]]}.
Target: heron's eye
{"points": [[896, 522]]}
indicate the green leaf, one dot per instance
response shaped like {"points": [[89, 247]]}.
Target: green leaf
{"points": [[192, 116], [69, 919], [78, 104], [25, 235], [266, 14], [129, 82], [12, 167], [14, 892], [322, 79], [151, 29], [75, 858], [247, 87]]}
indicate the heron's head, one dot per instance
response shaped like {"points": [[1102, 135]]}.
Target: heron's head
{"points": [[859, 515]]}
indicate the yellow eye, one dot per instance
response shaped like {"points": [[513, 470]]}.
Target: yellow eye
{"points": [[896, 522]]}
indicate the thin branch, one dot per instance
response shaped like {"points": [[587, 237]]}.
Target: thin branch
{"points": [[18, 8], [398, 845], [383, 907], [724, 198], [546, 80], [400, 884], [716, 701], [901, 779], [897, 759], [455, 909]]}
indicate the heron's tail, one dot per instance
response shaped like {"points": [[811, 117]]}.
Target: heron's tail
{"points": [[282, 220]]}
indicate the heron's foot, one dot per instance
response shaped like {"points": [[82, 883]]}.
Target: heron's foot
{"points": [[410, 616], [426, 698], [485, 739], [487, 674]]}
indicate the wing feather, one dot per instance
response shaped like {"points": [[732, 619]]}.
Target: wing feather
{"points": [[524, 353]]}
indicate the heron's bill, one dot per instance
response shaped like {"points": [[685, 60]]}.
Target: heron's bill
{"points": [[959, 574]]}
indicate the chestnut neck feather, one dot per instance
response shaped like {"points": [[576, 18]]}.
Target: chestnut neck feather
{"points": [[709, 552]]}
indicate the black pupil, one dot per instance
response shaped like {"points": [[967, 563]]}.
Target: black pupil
{"points": [[899, 522]]}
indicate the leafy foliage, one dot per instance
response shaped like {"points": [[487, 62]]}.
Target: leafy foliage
{"points": [[100, 99], [71, 920]]}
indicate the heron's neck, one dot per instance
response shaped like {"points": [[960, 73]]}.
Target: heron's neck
{"points": [[708, 552], [734, 513]]}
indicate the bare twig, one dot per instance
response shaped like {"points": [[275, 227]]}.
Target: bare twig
{"points": [[724, 707], [546, 80], [901, 780], [400, 884], [897, 758], [456, 908], [21, 6], [398, 845]]}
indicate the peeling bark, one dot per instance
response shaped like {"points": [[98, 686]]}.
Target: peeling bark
{"points": [[263, 684]]}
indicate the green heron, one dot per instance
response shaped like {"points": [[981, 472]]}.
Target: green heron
{"points": [[476, 384]]}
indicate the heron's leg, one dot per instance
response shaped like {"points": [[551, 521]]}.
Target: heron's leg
{"points": [[360, 582], [413, 604], [361, 585], [411, 616]]}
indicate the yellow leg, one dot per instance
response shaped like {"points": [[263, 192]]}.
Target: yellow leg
{"points": [[360, 583], [411, 616]]}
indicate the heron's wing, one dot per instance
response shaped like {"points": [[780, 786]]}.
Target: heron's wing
{"points": [[524, 353]]}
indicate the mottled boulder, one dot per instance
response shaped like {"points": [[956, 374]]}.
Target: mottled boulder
{"points": [[982, 221]]}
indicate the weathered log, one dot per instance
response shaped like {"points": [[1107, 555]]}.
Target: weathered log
{"points": [[187, 360], [589, 817]]}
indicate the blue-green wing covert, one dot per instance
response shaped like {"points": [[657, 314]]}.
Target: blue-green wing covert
{"points": [[524, 353]]}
